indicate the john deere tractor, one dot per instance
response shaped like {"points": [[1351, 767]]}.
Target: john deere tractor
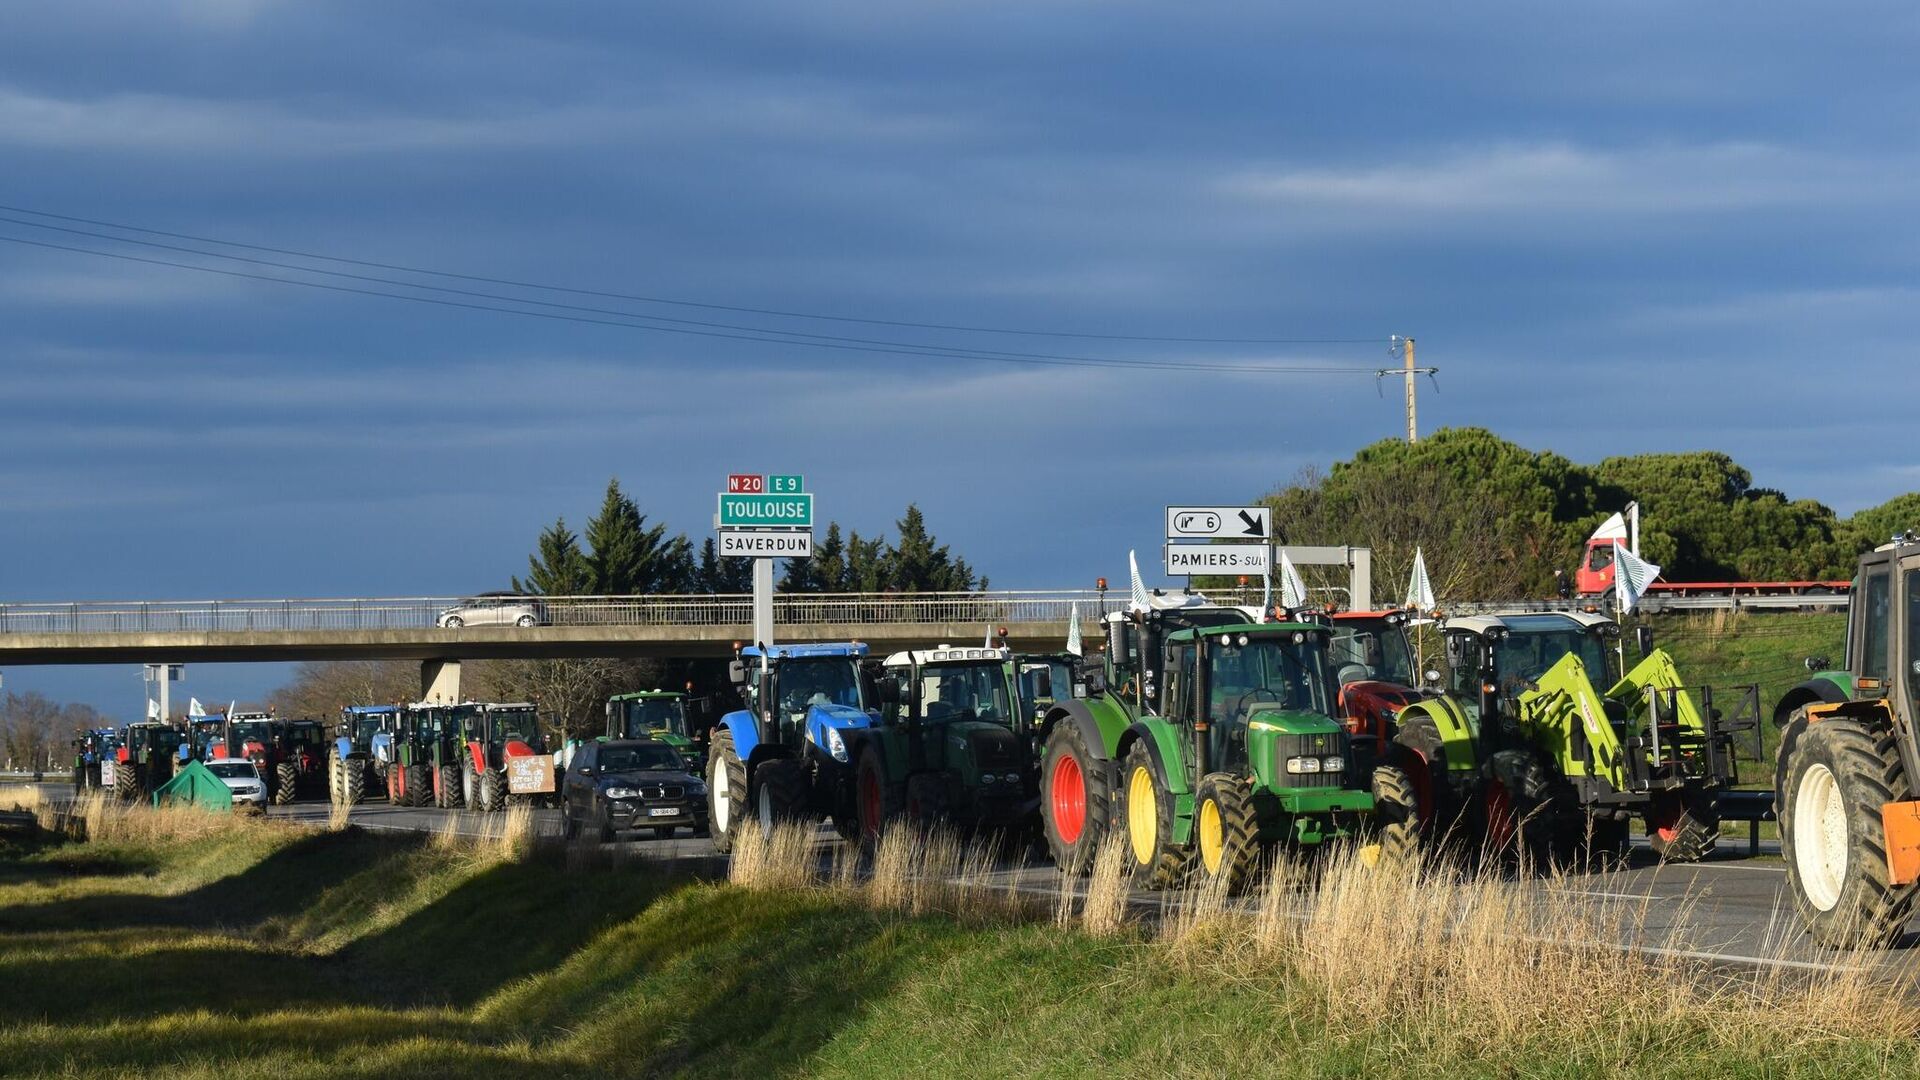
{"points": [[1206, 739], [147, 757], [660, 715], [1847, 775], [952, 745], [352, 767], [787, 755], [1523, 754]]}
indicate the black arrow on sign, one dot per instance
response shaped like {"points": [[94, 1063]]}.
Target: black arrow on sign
{"points": [[1253, 524]]}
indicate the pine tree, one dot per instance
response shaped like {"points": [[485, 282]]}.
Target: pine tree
{"points": [[867, 569], [824, 573], [630, 559], [717, 575], [558, 567]]}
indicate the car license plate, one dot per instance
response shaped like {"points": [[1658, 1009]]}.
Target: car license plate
{"points": [[663, 811]]}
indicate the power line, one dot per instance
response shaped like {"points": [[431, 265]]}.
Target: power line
{"points": [[638, 298], [959, 352], [774, 337]]}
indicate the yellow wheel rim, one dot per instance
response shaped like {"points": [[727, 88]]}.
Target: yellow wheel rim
{"points": [[1143, 816], [1213, 836]]}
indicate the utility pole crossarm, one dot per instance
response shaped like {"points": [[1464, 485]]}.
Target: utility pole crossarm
{"points": [[1404, 345]]}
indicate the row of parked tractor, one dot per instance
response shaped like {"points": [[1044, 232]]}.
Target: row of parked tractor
{"points": [[134, 761], [1203, 735]]}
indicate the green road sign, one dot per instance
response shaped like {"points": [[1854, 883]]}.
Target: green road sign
{"points": [[767, 511], [792, 484]]}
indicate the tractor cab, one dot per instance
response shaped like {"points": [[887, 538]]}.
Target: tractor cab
{"points": [[1257, 700], [204, 733], [249, 735], [1493, 659], [795, 679], [660, 715], [510, 728], [1374, 666], [361, 724], [1045, 678]]}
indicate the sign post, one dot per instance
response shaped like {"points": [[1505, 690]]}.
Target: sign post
{"points": [[763, 518]]}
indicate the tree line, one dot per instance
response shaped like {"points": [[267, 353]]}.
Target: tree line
{"points": [[1496, 519], [37, 732]]}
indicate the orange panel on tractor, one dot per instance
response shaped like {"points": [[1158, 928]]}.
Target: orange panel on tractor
{"points": [[1902, 821]]}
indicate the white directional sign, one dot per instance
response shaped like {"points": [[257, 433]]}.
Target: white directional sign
{"points": [[744, 544], [1219, 522], [1190, 559]]}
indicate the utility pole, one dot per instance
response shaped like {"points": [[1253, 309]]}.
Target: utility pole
{"points": [[1404, 345]]}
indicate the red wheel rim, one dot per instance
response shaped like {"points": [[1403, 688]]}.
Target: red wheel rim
{"points": [[1069, 799], [1663, 818], [869, 803], [1499, 815]]}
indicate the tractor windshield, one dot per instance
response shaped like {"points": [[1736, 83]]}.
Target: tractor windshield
{"points": [[1525, 654], [971, 691], [1044, 681], [247, 731], [1372, 650], [825, 680], [515, 725], [1273, 672], [365, 728], [640, 716]]}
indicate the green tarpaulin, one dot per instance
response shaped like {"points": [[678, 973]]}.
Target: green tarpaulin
{"points": [[195, 785]]}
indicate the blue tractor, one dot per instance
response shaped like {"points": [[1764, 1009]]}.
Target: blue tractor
{"points": [[354, 761], [786, 754]]}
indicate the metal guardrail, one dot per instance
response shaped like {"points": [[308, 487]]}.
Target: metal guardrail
{"points": [[422, 613]]}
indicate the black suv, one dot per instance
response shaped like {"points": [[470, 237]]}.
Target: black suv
{"points": [[631, 784]]}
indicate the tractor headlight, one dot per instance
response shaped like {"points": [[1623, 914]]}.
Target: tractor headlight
{"points": [[1333, 764], [623, 793], [1012, 778], [988, 778], [836, 745], [1297, 765]]}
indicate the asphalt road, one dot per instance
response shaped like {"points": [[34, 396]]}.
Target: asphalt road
{"points": [[1731, 908]]}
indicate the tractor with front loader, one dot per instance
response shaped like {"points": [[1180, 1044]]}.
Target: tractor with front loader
{"points": [[787, 756], [1204, 740], [352, 766], [506, 758], [1523, 754], [147, 757], [952, 746], [1847, 773], [660, 715]]}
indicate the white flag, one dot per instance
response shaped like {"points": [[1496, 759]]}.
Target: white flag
{"points": [[1138, 601], [1419, 589], [1631, 576], [989, 643], [1293, 591], [1073, 631], [194, 709], [153, 709]]}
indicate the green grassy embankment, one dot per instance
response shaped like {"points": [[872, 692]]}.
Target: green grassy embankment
{"points": [[192, 946]]}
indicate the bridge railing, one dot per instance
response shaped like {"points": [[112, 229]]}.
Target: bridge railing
{"points": [[419, 613]]}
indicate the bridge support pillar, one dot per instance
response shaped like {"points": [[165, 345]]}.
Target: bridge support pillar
{"points": [[440, 680]]}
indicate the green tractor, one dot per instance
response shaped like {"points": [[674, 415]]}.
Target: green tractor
{"points": [[147, 757], [660, 715], [1523, 754], [1847, 774], [424, 757], [1045, 679], [952, 745], [1206, 739]]}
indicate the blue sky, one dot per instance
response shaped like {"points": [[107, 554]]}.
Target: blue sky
{"points": [[1624, 230]]}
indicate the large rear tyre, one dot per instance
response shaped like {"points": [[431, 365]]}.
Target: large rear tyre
{"points": [[419, 785], [1838, 774], [1146, 807], [726, 792], [1396, 810], [1682, 826], [126, 782], [449, 788], [1076, 799], [780, 793], [492, 790], [927, 801], [1518, 811], [1228, 832], [876, 803], [334, 771], [286, 779], [353, 783], [1420, 755]]}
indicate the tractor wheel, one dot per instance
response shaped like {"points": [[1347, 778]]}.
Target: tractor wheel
{"points": [[1076, 799], [875, 801], [1419, 754], [353, 783], [286, 778], [1838, 775], [1228, 832], [1518, 809], [1682, 825], [1396, 808], [780, 793], [492, 789], [333, 777], [1146, 808], [126, 782], [726, 791], [927, 800], [419, 781], [451, 788]]}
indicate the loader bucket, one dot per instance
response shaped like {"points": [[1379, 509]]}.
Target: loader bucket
{"points": [[195, 786]]}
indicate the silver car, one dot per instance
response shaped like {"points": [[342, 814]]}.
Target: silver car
{"points": [[243, 782], [494, 609]]}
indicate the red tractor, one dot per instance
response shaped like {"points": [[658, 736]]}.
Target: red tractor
{"points": [[291, 755], [1377, 672], [507, 759]]}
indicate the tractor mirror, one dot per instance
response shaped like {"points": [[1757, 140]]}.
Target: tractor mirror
{"points": [[1818, 663], [1643, 639], [737, 672]]}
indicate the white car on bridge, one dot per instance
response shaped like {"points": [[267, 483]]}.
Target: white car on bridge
{"points": [[494, 609]]}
